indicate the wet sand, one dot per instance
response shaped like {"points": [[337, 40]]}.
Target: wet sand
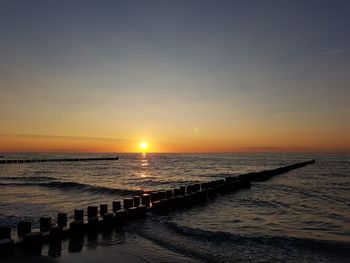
{"points": [[111, 247]]}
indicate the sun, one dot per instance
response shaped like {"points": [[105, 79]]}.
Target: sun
{"points": [[143, 146]]}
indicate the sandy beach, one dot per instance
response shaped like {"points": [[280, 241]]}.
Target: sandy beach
{"points": [[111, 247]]}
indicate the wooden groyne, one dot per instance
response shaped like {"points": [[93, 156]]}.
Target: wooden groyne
{"points": [[96, 218], [58, 160]]}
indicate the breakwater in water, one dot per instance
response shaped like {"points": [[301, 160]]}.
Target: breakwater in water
{"points": [[15, 161], [129, 209]]}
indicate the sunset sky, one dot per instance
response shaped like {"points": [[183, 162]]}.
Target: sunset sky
{"points": [[182, 75]]}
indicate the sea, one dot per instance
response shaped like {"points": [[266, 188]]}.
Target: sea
{"points": [[299, 216]]}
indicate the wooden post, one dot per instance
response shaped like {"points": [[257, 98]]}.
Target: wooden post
{"points": [[79, 215], [24, 227], [128, 202], [103, 209], [62, 219], [146, 200], [116, 206], [92, 211], [136, 201]]}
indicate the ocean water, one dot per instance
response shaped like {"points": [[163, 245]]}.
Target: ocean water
{"points": [[300, 216]]}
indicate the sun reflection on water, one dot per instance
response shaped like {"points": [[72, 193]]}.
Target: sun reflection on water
{"points": [[144, 165]]}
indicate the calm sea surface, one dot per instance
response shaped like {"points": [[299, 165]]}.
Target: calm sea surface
{"points": [[299, 216]]}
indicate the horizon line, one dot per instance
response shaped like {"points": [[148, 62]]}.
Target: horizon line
{"points": [[185, 152]]}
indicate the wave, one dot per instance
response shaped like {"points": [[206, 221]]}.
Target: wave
{"points": [[219, 175], [94, 189], [159, 182], [328, 246]]}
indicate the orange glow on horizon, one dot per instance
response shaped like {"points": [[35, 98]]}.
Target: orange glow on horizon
{"points": [[30, 143]]}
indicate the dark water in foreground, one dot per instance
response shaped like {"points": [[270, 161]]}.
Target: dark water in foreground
{"points": [[300, 216]]}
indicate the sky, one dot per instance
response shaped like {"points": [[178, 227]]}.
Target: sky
{"points": [[184, 76]]}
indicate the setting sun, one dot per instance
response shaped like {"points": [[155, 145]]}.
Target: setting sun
{"points": [[143, 146]]}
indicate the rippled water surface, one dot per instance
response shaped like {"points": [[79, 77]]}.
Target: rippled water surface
{"points": [[299, 216]]}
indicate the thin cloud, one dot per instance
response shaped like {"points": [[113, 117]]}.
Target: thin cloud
{"points": [[335, 51]]}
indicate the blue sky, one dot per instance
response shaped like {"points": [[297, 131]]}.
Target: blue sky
{"points": [[159, 69]]}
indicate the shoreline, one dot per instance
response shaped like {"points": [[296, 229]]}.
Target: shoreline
{"points": [[113, 247]]}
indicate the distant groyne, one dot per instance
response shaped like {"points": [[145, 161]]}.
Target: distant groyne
{"points": [[106, 218], [58, 160]]}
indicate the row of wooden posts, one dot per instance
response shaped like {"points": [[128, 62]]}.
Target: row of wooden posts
{"points": [[12, 161], [159, 202]]}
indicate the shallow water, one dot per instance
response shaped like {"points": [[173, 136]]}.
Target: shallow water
{"points": [[299, 216]]}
